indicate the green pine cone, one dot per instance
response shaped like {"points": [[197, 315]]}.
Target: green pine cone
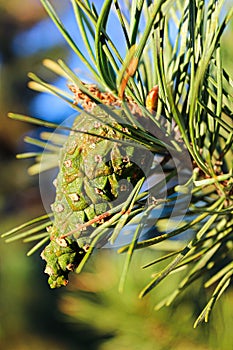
{"points": [[96, 174]]}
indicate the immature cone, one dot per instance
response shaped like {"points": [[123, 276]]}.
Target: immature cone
{"points": [[97, 171]]}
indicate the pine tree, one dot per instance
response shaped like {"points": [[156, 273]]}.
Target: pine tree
{"points": [[150, 151]]}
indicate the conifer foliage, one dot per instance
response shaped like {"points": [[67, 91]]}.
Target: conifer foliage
{"points": [[150, 150]]}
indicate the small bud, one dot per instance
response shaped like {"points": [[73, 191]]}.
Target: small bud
{"points": [[152, 99]]}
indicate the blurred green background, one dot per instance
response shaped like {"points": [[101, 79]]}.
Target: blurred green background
{"points": [[89, 313]]}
